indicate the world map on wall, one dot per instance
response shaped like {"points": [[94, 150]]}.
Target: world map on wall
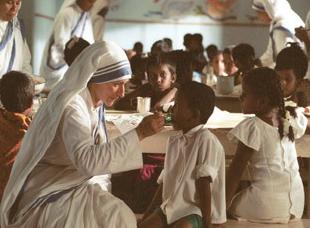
{"points": [[223, 11]]}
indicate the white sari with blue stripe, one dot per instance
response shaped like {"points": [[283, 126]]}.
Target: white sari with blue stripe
{"points": [[14, 51], [70, 21]]}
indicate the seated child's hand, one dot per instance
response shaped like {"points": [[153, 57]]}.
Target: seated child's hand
{"points": [[150, 125]]}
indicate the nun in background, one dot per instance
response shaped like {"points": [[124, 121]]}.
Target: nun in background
{"points": [[73, 19], [58, 178], [14, 51], [283, 21]]}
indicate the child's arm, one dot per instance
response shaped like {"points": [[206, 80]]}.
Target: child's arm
{"points": [[236, 169], [204, 191], [148, 210]]}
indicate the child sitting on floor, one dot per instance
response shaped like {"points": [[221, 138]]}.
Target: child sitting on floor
{"points": [[16, 95], [266, 145], [193, 178]]}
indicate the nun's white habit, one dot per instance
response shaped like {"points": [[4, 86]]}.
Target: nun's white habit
{"points": [[282, 27], [56, 180], [70, 21], [14, 51]]}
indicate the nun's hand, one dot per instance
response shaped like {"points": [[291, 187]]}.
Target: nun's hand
{"points": [[150, 125]]}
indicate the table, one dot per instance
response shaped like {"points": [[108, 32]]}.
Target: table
{"points": [[229, 102]]}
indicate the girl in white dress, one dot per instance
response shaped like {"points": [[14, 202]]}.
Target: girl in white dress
{"points": [[266, 145]]}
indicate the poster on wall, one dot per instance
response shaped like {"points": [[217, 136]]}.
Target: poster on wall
{"points": [[183, 11]]}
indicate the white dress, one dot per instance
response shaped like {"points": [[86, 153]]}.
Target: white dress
{"points": [[14, 51], [67, 188], [71, 21], [276, 191], [190, 156]]}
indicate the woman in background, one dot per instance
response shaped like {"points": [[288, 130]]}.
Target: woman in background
{"points": [[72, 20], [14, 51], [283, 21]]}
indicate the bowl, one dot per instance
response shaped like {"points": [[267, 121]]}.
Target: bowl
{"points": [[225, 84]]}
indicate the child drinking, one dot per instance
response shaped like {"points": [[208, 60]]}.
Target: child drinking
{"points": [[193, 178], [16, 95], [266, 145]]}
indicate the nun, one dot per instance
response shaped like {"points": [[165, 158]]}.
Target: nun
{"points": [[14, 51], [59, 176], [283, 21], [73, 19]]}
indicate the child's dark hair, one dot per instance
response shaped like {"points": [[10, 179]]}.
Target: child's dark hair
{"points": [[73, 48], [244, 53], [138, 47], [265, 83], [199, 97], [160, 59], [16, 91], [211, 51], [293, 58]]}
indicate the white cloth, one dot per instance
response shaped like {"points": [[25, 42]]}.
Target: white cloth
{"points": [[70, 21], [60, 191], [276, 191], [198, 153], [282, 27], [22, 59], [98, 20]]}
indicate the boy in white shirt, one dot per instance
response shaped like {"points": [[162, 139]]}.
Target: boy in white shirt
{"points": [[193, 179]]}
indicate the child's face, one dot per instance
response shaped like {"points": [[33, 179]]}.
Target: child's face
{"points": [[289, 82], [229, 64], [183, 117], [218, 64], [160, 77]]}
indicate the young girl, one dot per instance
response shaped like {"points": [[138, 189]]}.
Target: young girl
{"points": [[266, 145], [161, 75], [193, 178]]}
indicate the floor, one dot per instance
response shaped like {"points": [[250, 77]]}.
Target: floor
{"points": [[304, 223]]}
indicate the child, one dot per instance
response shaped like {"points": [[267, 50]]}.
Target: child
{"points": [[230, 67], [292, 65], [73, 48], [244, 58], [161, 75], [193, 179], [266, 145], [217, 69], [16, 95]]}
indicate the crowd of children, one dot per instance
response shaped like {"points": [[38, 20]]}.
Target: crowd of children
{"points": [[194, 187]]}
